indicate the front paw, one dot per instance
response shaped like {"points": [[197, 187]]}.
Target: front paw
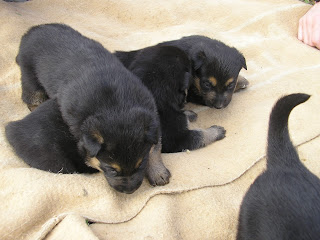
{"points": [[217, 132], [242, 83], [191, 115], [212, 134], [158, 175]]}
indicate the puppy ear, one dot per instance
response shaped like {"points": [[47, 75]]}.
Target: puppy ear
{"points": [[243, 62], [152, 136], [151, 130], [147, 124], [91, 145], [198, 59]]}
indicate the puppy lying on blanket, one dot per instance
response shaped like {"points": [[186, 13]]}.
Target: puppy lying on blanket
{"points": [[283, 202], [166, 71], [111, 114], [216, 68]]}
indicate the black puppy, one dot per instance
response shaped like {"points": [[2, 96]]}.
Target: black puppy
{"points": [[166, 71], [43, 140], [216, 68], [283, 202], [111, 114]]}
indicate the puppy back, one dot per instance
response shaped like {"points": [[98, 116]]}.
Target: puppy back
{"points": [[126, 58], [280, 150]]}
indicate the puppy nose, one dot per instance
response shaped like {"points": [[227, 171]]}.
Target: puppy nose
{"points": [[218, 106], [124, 189]]}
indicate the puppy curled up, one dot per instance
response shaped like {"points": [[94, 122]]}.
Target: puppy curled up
{"points": [[215, 69], [107, 109], [283, 202], [166, 71]]}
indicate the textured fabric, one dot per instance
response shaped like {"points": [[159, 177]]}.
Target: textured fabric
{"points": [[203, 198]]}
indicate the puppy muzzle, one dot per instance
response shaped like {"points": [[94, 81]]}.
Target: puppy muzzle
{"points": [[126, 185]]}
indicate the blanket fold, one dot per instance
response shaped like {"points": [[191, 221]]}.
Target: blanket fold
{"points": [[204, 195]]}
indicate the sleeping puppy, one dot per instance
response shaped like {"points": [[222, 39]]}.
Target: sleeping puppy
{"points": [[166, 71], [111, 114], [283, 202], [216, 68]]}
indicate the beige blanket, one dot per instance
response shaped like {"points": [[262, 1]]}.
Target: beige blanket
{"points": [[203, 198]]}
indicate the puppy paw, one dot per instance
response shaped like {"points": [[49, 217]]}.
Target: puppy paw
{"points": [[242, 83], [214, 133], [158, 175], [219, 131], [191, 115], [36, 99]]}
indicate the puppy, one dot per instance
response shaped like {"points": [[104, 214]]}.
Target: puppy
{"points": [[43, 140], [166, 71], [111, 114], [216, 68], [283, 202]]}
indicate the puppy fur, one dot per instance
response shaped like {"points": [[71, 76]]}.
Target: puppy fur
{"points": [[283, 202], [111, 114], [166, 71], [216, 68], [43, 140]]}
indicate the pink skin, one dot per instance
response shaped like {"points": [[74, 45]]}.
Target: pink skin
{"points": [[309, 27]]}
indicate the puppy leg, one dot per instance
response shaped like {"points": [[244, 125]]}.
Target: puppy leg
{"points": [[191, 139], [242, 83], [212, 134], [191, 115], [157, 173], [33, 93]]}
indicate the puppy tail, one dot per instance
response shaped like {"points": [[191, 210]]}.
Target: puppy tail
{"points": [[126, 58], [280, 150]]}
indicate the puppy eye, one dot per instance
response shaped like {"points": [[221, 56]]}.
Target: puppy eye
{"points": [[230, 86], [113, 171], [207, 85]]}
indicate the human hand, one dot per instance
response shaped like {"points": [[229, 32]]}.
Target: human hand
{"points": [[309, 27]]}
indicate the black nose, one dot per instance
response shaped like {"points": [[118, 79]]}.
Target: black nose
{"points": [[128, 191], [124, 189], [218, 106]]}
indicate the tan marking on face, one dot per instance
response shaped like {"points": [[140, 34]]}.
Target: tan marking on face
{"points": [[210, 96], [98, 136], [213, 81], [197, 83], [138, 163], [94, 163], [228, 82], [116, 167]]}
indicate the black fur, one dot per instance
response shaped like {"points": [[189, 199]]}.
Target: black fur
{"points": [[166, 71], [43, 141], [111, 114], [283, 202], [211, 59]]}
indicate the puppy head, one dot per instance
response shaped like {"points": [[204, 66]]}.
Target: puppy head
{"points": [[119, 146], [216, 72]]}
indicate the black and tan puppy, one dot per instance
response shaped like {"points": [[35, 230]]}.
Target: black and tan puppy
{"points": [[108, 110], [283, 202], [166, 71], [216, 68]]}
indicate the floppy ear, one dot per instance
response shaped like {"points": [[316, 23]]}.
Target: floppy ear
{"points": [[91, 145], [152, 136], [148, 122], [198, 59], [243, 62], [151, 130]]}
